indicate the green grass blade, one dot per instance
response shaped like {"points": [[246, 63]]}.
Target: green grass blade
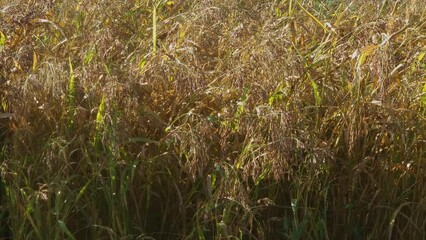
{"points": [[65, 229]]}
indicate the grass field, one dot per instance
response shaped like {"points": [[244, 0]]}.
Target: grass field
{"points": [[212, 119]]}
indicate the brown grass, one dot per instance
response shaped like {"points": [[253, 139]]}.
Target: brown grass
{"points": [[212, 119]]}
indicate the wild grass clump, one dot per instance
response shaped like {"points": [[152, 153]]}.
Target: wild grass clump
{"points": [[212, 119]]}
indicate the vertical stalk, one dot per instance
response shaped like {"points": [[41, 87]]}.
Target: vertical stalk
{"points": [[154, 28]]}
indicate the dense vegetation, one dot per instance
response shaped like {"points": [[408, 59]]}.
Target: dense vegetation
{"points": [[212, 119]]}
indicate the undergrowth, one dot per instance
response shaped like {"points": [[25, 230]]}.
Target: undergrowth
{"points": [[212, 119]]}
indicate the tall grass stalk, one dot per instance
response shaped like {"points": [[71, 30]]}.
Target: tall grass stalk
{"points": [[255, 119]]}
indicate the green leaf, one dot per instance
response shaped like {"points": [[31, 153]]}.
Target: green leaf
{"points": [[318, 99], [423, 98], [2, 41], [294, 205], [99, 122], [82, 191], [71, 94], [264, 174], [142, 63], [64, 229], [313, 17], [100, 114], [394, 216], [89, 56], [71, 84], [421, 56]]}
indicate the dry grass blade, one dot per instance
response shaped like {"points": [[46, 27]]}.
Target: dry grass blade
{"points": [[313, 17], [6, 115]]}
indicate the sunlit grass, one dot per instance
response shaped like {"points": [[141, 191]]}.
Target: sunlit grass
{"points": [[212, 119]]}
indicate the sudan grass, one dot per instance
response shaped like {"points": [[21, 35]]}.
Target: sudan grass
{"points": [[212, 119]]}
